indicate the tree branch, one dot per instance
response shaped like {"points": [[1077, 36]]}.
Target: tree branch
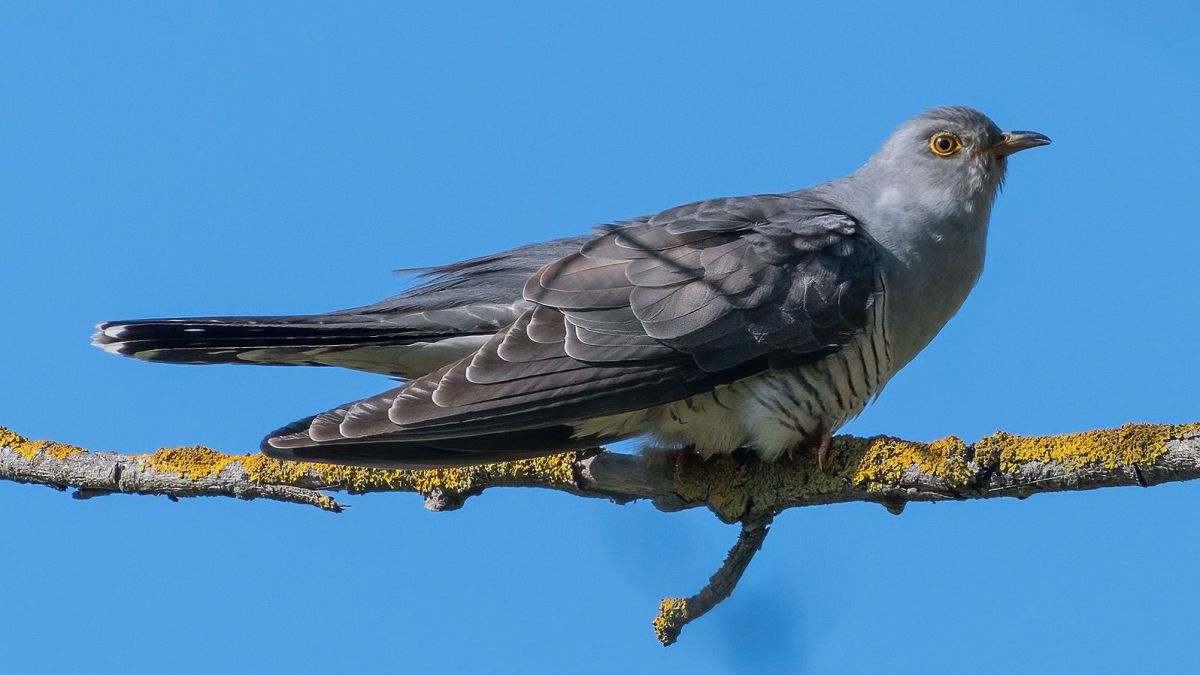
{"points": [[675, 613], [884, 470]]}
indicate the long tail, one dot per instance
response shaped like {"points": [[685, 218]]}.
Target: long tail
{"points": [[361, 342], [444, 318]]}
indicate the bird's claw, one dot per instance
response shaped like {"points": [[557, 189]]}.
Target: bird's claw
{"points": [[823, 449]]}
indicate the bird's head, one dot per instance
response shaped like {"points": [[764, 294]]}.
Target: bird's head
{"points": [[949, 159]]}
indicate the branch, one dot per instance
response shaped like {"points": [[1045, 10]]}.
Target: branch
{"points": [[675, 613], [884, 470]]}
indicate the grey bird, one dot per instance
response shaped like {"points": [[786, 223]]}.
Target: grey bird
{"points": [[764, 322]]}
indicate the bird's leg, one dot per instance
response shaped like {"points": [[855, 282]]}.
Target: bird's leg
{"points": [[682, 457], [823, 447], [820, 440], [687, 459]]}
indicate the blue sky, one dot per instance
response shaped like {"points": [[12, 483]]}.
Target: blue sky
{"points": [[220, 158]]}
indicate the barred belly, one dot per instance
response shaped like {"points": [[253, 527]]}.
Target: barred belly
{"points": [[780, 410], [772, 412]]}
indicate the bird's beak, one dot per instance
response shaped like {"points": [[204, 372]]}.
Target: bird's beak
{"points": [[1016, 141]]}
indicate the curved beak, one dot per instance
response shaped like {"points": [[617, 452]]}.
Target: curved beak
{"points": [[1016, 141]]}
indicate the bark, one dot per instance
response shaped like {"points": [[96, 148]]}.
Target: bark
{"points": [[883, 470]]}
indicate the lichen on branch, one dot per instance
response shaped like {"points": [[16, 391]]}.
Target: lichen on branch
{"points": [[882, 469]]}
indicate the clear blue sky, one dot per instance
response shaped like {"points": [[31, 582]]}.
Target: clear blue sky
{"points": [[218, 158]]}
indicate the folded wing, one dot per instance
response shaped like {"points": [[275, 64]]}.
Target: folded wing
{"points": [[643, 314]]}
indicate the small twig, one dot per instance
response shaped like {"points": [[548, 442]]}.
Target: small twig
{"points": [[675, 613]]}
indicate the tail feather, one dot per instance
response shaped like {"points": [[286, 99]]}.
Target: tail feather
{"points": [[360, 342]]}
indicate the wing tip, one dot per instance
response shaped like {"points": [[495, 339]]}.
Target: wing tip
{"points": [[280, 443]]}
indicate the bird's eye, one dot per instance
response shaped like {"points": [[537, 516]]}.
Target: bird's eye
{"points": [[944, 144]]}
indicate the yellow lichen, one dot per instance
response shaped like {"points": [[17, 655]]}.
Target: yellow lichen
{"points": [[672, 615], [734, 488], [558, 469], [191, 462], [30, 449], [720, 481], [885, 459], [1126, 445], [198, 462], [194, 462]]}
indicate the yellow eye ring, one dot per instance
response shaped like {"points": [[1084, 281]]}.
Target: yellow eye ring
{"points": [[944, 144]]}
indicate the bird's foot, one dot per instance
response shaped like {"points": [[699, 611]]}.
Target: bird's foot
{"points": [[821, 442], [687, 460], [683, 458], [823, 448]]}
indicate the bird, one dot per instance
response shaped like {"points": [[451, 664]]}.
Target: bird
{"points": [[759, 323]]}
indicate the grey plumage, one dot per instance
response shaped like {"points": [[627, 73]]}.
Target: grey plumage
{"points": [[765, 321], [439, 321]]}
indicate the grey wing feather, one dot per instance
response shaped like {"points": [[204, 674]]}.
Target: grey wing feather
{"points": [[644, 314], [447, 316], [491, 279]]}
